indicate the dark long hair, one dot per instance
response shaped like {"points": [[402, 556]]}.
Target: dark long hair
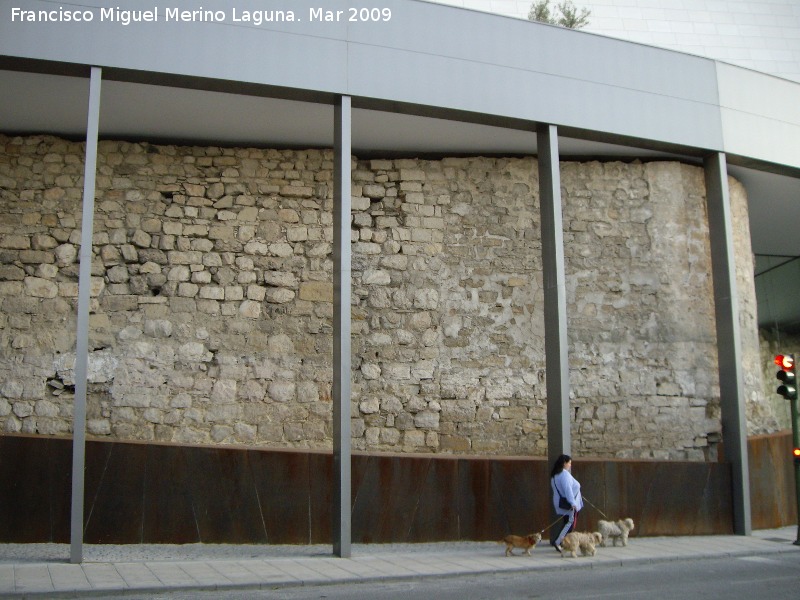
{"points": [[559, 466]]}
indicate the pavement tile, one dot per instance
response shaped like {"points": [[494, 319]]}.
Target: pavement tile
{"points": [[334, 568], [234, 572], [359, 567], [68, 576], [268, 572], [463, 564], [607, 555], [32, 578], [137, 575], [303, 571], [388, 567], [330, 568], [354, 568], [104, 576], [201, 573], [428, 566], [172, 574], [6, 579]]}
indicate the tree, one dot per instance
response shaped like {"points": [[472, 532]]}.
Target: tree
{"points": [[540, 11], [571, 16]]}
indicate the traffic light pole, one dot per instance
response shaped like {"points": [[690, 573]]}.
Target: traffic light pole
{"points": [[796, 460], [787, 375]]}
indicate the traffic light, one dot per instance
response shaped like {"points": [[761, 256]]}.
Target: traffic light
{"points": [[787, 375], [796, 454]]}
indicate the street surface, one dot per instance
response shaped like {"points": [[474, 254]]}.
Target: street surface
{"points": [[772, 577]]}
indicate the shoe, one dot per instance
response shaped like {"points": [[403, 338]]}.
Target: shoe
{"points": [[556, 546]]}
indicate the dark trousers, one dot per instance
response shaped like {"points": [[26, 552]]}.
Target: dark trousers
{"points": [[568, 523]]}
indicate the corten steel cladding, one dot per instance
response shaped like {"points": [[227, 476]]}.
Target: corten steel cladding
{"points": [[772, 481], [148, 493]]}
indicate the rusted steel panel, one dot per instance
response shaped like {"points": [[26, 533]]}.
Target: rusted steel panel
{"points": [[424, 499], [435, 516], [663, 498], [403, 499], [35, 495], [115, 474], [223, 497], [281, 483], [520, 498], [168, 510], [773, 494], [149, 493], [478, 501], [320, 495]]}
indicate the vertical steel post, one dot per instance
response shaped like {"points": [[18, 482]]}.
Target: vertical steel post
{"points": [[342, 277], [82, 346], [555, 293], [796, 461], [729, 345]]}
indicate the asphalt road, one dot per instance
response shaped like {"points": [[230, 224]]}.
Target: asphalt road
{"points": [[773, 577]]}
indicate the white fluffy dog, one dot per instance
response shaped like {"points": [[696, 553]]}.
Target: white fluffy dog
{"points": [[578, 539], [616, 530]]}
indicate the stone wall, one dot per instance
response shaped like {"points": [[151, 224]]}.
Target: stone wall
{"points": [[211, 313], [640, 304], [772, 344]]}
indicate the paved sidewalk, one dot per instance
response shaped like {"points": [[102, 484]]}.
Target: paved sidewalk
{"points": [[30, 570]]}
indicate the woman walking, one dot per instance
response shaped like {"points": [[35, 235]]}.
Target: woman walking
{"points": [[566, 497]]}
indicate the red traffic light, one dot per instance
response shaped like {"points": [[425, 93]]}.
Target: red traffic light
{"points": [[796, 452], [788, 376]]}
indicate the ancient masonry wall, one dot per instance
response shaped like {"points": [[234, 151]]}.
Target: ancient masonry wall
{"points": [[211, 316], [773, 344]]}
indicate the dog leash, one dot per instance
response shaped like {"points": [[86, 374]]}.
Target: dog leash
{"points": [[585, 499], [589, 502], [551, 524]]}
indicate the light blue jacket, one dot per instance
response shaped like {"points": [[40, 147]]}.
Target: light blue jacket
{"points": [[565, 484]]}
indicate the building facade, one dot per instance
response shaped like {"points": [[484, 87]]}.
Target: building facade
{"points": [[363, 237]]}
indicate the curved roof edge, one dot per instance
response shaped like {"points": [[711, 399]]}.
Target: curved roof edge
{"points": [[427, 59]]}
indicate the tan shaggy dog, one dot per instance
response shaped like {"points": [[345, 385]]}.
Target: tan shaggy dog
{"points": [[616, 530], [582, 540], [521, 541]]}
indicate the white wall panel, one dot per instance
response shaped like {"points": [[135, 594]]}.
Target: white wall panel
{"points": [[760, 115]]}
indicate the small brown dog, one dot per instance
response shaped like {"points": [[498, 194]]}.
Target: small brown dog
{"points": [[527, 542], [584, 541]]}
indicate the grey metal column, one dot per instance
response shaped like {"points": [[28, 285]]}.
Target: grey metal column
{"points": [[729, 345], [82, 346], [341, 328], [555, 294]]}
